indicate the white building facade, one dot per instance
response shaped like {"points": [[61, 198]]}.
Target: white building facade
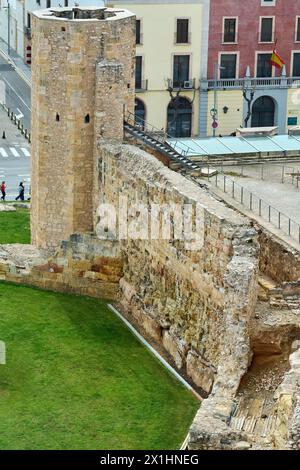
{"points": [[16, 15]]}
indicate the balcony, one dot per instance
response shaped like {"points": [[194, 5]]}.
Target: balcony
{"points": [[264, 82], [141, 86], [181, 85]]}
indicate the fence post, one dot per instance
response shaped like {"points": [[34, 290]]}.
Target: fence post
{"points": [[233, 189], [224, 184], [251, 201], [289, 227], [259, 210], [269, 213], [262, 171], [242, 195], [279, 220], [282, 174]]}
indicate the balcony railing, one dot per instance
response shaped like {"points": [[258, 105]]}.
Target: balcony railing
{"points": [[181, 84], [141, 86], [276, 82]]}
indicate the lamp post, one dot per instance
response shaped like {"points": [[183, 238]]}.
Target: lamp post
{"points": [[214, 110], [8, 26]]}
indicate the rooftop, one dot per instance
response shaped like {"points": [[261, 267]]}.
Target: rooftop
{"points": [[83, 13], [236, 145]]}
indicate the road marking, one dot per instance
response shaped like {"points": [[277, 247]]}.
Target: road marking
{"points": [[25, 151], [20, 115], [3, 152], [14, 152], [9, 85]]}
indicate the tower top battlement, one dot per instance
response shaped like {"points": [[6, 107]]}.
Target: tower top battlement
{"points": [[82, 14]]}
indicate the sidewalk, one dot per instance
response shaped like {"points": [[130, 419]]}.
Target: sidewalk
{"points": [[13, 134], [22, 69]]}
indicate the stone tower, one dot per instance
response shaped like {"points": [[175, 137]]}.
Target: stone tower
{"points": [[82, 86]]}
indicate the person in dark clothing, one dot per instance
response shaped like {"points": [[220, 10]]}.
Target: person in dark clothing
{"points": [[21, 191], [3, 188]]}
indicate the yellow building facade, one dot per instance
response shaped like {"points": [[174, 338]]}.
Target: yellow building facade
{"points": [[173, 90], [160, 49]]}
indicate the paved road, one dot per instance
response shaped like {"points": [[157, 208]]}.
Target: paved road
{"points": [[15, 92], [14, 157]]}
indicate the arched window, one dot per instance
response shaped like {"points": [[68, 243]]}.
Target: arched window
{"points": [[57, 117], [263, 112], [179, 123], [87, 118], [139, 112]]}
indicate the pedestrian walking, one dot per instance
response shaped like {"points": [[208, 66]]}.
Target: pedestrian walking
{"points": [[3, 188], [21, 191]]}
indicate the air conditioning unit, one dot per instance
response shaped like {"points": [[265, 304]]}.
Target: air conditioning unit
{"points": [[188, 84]]}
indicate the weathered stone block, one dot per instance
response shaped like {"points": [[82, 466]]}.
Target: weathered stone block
{"points": [[201, 374]]}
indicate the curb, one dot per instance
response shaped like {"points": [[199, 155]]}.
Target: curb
{"points": [[154, 352], [16, 68]]}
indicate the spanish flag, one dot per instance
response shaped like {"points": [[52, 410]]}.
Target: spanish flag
{"points": [[276, 60]]}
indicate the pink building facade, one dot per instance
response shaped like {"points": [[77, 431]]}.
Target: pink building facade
{"points": [[241, 38], [243, 34]]}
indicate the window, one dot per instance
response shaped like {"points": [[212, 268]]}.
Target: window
{"points": [[48, 3], [229, 30], [66, 3], [138, 32], [268, 3], [296, 64], [181, 70], [266, 29], [228, 65], [264, 66], [182, 31], [139, 113], [179, 118], [138, 72], [298, 29], [87, 118], [28, 20]]}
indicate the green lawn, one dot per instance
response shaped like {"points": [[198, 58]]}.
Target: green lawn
{"points": [[76, 378], [15, 226]]}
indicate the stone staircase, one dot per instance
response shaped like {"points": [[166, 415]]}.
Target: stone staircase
{"points": [[256, 416], [284, 296]]}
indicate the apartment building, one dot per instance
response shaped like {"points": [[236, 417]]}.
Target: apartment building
{"points": [[171, 58], [16, 14], [242, 37]]}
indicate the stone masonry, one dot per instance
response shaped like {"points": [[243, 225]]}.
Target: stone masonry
{"points": [[81, 57]]}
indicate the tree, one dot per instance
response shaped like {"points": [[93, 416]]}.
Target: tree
{"points": [[249, 100], [175, 98]]}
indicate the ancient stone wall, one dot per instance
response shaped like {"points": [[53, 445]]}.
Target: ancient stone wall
{"points": [[82, 265], [66, 48], [278, 260], [195, 302]]}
